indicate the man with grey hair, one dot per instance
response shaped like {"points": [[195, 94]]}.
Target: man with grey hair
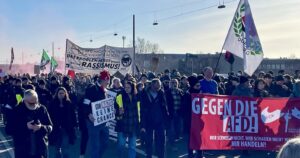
{"points": [[208, 85], [30, 127], [154, 114]]}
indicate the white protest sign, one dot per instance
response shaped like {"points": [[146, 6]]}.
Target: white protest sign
{"points": [[103, 111]]}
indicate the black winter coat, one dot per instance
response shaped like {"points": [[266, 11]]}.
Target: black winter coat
{"points": [[154, 111], [128, 122], [24, 139], [63, 118]]}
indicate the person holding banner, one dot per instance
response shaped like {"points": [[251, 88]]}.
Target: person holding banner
{"points": [[128, 117], [97, 135], [187, 116], [154, 115]]}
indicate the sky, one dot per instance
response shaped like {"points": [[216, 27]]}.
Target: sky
{"points": [[184, 26]]}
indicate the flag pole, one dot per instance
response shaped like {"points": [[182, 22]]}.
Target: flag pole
{"points": [[133, 63], [66, 57], [51, 66]]}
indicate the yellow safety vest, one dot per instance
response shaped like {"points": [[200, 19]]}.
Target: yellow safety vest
{"points": [[119, 101]]}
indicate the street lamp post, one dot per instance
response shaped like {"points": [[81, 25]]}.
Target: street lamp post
{"points": [[123, 38]]}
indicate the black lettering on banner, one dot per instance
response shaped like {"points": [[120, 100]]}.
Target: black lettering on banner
{"points": [[83, 64]]}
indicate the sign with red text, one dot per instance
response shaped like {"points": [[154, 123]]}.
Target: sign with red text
{"points": [[103, 111], [229, 122]]}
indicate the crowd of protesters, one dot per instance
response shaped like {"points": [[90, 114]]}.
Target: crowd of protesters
{"points": [[154, 108]]}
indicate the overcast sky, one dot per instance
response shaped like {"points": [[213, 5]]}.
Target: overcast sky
{"points": [[184, 25]]}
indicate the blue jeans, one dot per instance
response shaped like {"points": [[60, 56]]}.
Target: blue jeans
{"points": [[98, 139], [131, 145]]}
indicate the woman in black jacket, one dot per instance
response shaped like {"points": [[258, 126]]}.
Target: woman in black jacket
{"points": [[259, 89], [63, 116], [128, 117]]}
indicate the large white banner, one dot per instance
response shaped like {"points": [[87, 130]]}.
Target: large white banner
{"points": [[93, 60]]}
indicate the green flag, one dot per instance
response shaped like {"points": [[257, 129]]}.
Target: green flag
{"points": [[45, 60], [53, 64]]}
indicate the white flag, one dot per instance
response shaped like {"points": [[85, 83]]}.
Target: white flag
{"points": [[242, 39]]}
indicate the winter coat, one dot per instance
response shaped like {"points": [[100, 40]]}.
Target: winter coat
{"points": [[128, 122], [25, 141], [63, 119]]}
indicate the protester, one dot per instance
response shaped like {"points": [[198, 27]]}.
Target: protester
{"points": [[97, 135], [259, 89], [187, 116], [30, 125], [291, 149], [116, 86], [62, 113], [208, 85], [154, 115], [279, 89], [128, 118], [231, 85], [43, 93], [296, 90], [244, 88], [174, 100]]}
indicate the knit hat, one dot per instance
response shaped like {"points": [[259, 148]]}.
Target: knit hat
{"points": [[243, 79], [193, 81], [104, 75]]}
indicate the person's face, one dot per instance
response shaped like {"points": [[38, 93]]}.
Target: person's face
{"points": [[42, 86], [61, 94], [127, 88], [166, 83], [25, 82], [268, 80], [197, 86], [286, 80], [261, 85], [18, 84], [117, 84], [235, 83], [144, 79], [184, 81], [208, 73], [157, 86], [83, 80], [34, 80], [141, 87], [248, 84], [280, 82], [31, 101], [104, 83], [174, 84], [53, 82], [68, 82]]}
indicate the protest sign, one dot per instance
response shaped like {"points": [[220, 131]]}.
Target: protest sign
{"points": [[93, 60], [228, 122], [103, 111]]}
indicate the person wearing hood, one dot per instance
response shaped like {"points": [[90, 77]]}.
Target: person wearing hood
{"points": [[244, 88], [67, 84], [54, 84], [186, 112]]}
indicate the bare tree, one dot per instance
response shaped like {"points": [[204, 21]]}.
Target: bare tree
{"points": [[144, 46]]}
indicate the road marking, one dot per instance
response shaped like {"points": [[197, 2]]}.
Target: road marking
{"points": [[11, 153], [136, 149]]}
